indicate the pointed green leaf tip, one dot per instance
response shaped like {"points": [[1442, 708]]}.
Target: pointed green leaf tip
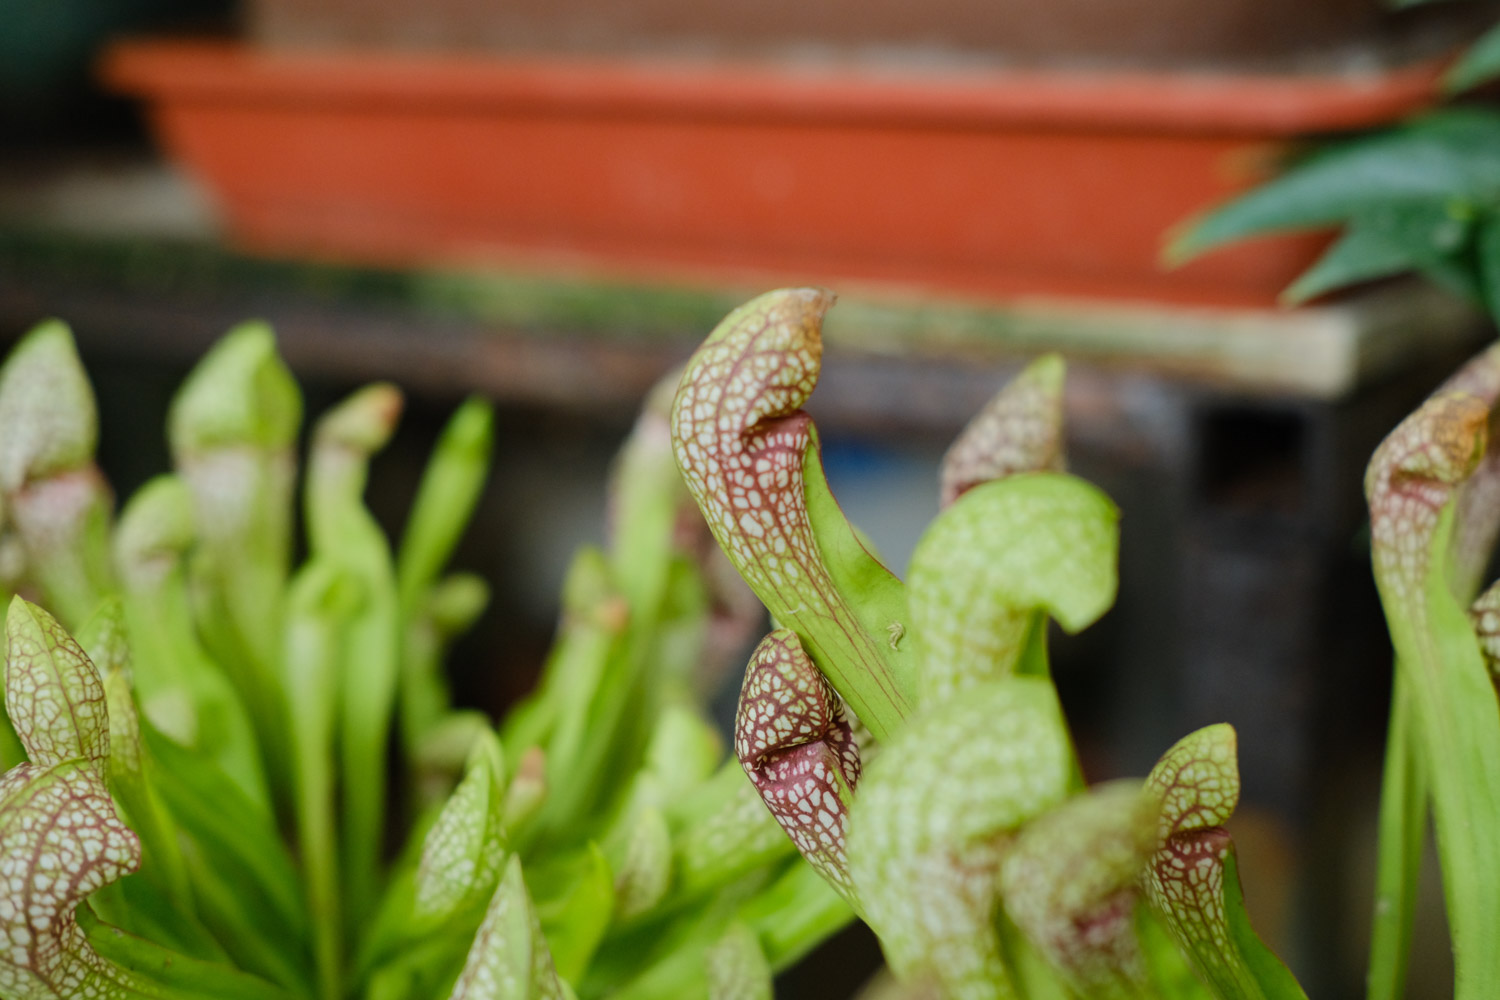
{"points": [[1197, 782], [928, 828], [47, 409], [1192, 881], [103, 640], [445, 501], [1412, 477], [1479, 64], [455, 602], [364, 422], [239, 394], [1005, 550], [645, 874], [749, 456], [1020, 430], [1069, 883], [154, 532], [509, 958], [53, 694], [737, 967], [464, 852], [796, 746]]}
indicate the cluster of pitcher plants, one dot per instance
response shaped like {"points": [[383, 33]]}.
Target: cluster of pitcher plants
{"points": [[230, 776]]}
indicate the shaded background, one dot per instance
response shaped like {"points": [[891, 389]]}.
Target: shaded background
{"points": [[1236, 459]]}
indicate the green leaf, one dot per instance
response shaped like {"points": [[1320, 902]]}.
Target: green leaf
{"points": [[342, 532], [166, 973], [322, 600], [686, 749], [104, 642], [1192, 881], [1197, 782], [585, 687], [47, 408], [448, 609], [750, 457], [54, 494], [1019, 430], [1360, 254], [528, 789], [1069, 883], [1172, 975], [183, 691], [60, 841], [737, 968], [1429, 237], [648, 504], [103, 639], [644, 875], [240, 393], [1479, 64], [232, 429], [249, 891], [1441, 158], [1487, 256], [1005, 550], [450, 489], [928, 827], [798, 750], [11, 750], [464, 853], [722, 831], [644, 609], [509, 958], [793, 914], [158, 901], [1412, 487], [54, 695], [575, 920], [1403, 834]]}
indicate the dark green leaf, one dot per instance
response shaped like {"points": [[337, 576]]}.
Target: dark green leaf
{"points": [[1480, 63], [1448, 156], [1487, 255]]}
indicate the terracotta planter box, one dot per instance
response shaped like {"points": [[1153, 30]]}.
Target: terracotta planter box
{"points": [[986, 183]]}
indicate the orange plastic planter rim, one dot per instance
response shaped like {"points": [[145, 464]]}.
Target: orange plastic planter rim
{"points": [[1269, 106]]}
